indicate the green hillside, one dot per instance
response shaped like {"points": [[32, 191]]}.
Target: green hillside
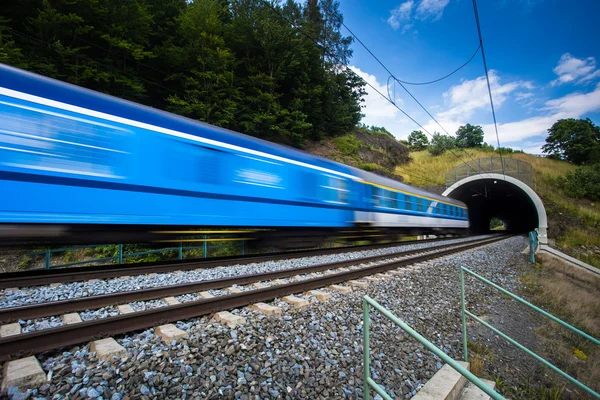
{"points": [[573, 223]]}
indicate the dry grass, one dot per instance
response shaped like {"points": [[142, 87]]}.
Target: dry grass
{"points": [[477, 365], [572, 295]]}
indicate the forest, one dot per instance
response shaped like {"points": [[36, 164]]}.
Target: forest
{"points": [[272, 70]]}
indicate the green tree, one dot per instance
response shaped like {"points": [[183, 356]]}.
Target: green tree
{"points": [[469, 136], [583, 182], [440, 143], [417, 140], [574, 140]]}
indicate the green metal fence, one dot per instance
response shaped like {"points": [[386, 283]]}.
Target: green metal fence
{"points": [[369, 383], [121, 254], [466, 314]]}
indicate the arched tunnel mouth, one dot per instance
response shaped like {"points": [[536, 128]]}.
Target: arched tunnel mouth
{"points": [[489, 198]]}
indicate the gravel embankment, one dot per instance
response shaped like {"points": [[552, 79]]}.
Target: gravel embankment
{"points": [[315, 353]]}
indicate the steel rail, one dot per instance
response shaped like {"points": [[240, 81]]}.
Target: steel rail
{"points": [[12, 314], [66, 275], [22, 345]]}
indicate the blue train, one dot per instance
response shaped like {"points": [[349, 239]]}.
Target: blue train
{"points": [[76, 164]]}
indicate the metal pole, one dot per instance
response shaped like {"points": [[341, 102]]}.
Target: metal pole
{"points": [[463, 314], [205, 248], [366, 372], [243, 247], [120, 254], [181, 250], [47, 258]]}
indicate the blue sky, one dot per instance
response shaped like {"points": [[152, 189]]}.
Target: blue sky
{"points": [[543, 57]]}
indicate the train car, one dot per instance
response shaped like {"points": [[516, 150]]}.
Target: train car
{"points": [[81, 166]]}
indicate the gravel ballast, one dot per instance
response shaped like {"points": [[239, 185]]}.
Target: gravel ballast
{"points": [[41, 294], [314, 353]]}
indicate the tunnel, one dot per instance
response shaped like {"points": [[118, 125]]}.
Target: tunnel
{"points": [[510, 200]]}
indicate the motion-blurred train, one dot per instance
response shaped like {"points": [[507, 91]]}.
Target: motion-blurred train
{"points": [[81, 166]]}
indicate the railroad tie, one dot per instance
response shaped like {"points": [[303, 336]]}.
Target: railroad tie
{"points": [[25, 372]]}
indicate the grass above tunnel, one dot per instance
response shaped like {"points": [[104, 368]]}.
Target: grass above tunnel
{"points": [[573, 223]]}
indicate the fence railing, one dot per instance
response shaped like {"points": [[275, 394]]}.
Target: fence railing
{"points": [[369, 383], [500, 165], [121, 254], [466, 314]]}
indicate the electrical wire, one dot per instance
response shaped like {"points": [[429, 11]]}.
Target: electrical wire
{"points": [[487, 78]]}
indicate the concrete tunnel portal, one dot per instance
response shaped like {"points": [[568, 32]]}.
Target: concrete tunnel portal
{"points": [[490, 195]]}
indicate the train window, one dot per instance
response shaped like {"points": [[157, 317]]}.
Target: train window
{"points": [[337, 190], [394, 201], [400, 200]]}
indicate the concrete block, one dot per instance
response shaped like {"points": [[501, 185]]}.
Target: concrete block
{"points": [[125, 277], [125, 309], [170, 332], [93, 280], [384, 276], [296, 302], [267, 309], [171, 301], [259, 285], [233, 289], [10, 330], [10, 290], [57, 284], [371, 279], [447, 383], [229, 319], [279, 282], [25, 372], [108, 348], [321, 296], [360, 284], [206, 295], [72, 318], [341, 289], [397, 272], [472, 392]]}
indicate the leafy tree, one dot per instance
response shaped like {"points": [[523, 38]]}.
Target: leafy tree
{"points": [[417, 140], [440, 143], [469, 136], [574, 140]]}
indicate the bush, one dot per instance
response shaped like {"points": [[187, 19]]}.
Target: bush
{"points": [[347, 145], [583, 182], [441, 143]]}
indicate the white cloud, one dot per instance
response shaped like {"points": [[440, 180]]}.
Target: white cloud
{"points": [[575, 70], [574, 105], [523, 95], [410, 10], [375, 106], [400, 15], [431, 9], [470, 95]]}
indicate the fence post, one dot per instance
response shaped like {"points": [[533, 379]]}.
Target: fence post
{"points": [[47, 258], [205, 248], [532, 245], [243, 247], [181, 250], [463, 314], [120, 255], [366, 372]]}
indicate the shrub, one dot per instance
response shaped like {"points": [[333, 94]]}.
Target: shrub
{"points": [[441, 143], [583, 182], [347, 145]]}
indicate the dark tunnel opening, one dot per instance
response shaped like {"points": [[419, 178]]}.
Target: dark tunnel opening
{"points": [[489, 198]]}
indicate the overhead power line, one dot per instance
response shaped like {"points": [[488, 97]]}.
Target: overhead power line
{"points": [[445, 76], [487, 78]]}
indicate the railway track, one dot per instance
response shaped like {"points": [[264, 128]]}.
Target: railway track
{"points": [[25, 344], [42, 277]]}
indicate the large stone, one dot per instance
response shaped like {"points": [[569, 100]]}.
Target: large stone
{"points": [[10, 330], [108, 348], [360, 284], [229, 319], [170, 332], [171, 301], [125, 309], [321, 296], [296, 302], [72, 318], [340, 288], [26, 372], [267, 309]]}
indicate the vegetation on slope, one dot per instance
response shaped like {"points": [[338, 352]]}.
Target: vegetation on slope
{"points": [[574, 223]]}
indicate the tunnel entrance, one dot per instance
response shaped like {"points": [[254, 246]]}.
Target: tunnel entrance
{"points": [[495, 195]]}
